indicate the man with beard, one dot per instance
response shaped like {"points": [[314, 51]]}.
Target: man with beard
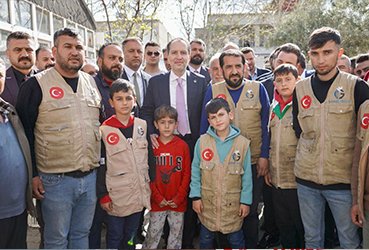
{"points": [[197, 57], [44, 58], [59, 109], [325, 106], [20, 50], [250, 104], [110, 62]]}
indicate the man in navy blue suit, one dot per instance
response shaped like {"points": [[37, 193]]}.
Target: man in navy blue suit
{"points": [[197, 57], [162, 89], [254, 71]]}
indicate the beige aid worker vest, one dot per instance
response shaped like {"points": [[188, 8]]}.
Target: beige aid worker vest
{"points": [[246, 113], [326, 145], [283, 145], [221, 185], [127, 177], [67, 128], [363, 136]]}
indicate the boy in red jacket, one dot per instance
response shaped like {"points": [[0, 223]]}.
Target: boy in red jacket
{"points": [[170, 188]]}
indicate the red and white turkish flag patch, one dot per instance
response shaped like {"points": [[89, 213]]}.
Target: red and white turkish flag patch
{"points": [[306, 102], [56, 92], [112, 138], [207, 154], [365, 121]]}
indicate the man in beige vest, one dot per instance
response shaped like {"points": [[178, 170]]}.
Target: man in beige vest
{"points": [[250, 103], [324, 118], [59, 108]]}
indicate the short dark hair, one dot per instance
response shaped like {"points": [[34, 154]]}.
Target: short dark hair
{"points": [[290, 48], [17, 35], [179, 39], [100, 53], [121, 85], [321, 36], [214, 105], [246, 50], [131, 39], [273, 56], [164, 50], [231, 52], [66, 32], [198, 41], [285, 69], [41, 48], [302, 60], [152, 44], [362, 58], [165, 111]]}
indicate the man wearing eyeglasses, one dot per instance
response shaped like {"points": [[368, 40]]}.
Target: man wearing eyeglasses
{"points": [[132, 71], [152, 58]]}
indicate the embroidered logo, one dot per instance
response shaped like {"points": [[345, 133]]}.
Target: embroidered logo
{"points": [[140, 131], [56, 92], [207, 154], [223, 96], [249, 94], [365, 121], [112, 138], [339, 93], [236, 156], [306, 102]]}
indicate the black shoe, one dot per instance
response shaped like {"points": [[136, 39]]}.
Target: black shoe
{"points": [[268, 241]]}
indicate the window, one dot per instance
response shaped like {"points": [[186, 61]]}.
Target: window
{"points": [[23, 14], [44, 43], [43, 20], [58, 23], [71, 25], [90, 37], [4, 11], [81, 32]]}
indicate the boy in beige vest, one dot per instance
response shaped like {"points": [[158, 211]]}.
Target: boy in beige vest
{"points": [[283, 145], [221, 180], [123, 183]]}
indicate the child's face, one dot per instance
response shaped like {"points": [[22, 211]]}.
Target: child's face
{"points": [[285, 84], [123, 102], [166, 126], [220, 121]]}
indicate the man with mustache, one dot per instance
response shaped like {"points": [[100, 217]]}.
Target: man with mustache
{"points": [[250, 104], [197, 57], [44, 58], [20, 50], [59, 109], [110, 62]]}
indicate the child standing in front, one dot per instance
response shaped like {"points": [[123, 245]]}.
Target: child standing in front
{"points": [[221, 180], [170, 188], [283, 146], [123, 183]]}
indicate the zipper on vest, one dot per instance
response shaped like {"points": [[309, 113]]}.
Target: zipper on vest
{"points": [[278, 144], [321, 142]]}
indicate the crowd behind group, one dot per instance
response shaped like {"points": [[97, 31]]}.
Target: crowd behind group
{"points": [[197, 147]]}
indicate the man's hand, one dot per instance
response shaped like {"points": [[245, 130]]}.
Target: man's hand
{"points": [[108, 206], [197, 206], [154, 140], [163, 203], [268, 179], [172, 204], [356, 218], [244, 210], [262, 166], [37, 188]]}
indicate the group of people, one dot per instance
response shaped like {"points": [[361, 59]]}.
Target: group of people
{"points": [[198, 147]]}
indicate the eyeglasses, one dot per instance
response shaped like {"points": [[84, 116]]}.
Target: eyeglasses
{"points": [[150, 53]]}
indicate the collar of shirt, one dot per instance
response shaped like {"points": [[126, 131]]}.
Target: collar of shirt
{"points": [[5, 109], [20, 76], [130, 72], [193, 69], [173, 78]]}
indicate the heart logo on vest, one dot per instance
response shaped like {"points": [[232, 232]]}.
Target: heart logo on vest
{"points": [[306, 102], [223, 96], [56, 92], [249, 94], [112, 138], [207, 154], [365, 121]]}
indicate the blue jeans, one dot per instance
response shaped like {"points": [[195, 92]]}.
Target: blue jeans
{"points": [[122, 231], [235, 239], [312, 205], [68, 209]]}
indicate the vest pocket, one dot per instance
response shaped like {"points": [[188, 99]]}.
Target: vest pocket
{"points": [[341, 145], [57, 105], [343, 117], [142, 153], [207, 175], [235, 168], [307, 122]]}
